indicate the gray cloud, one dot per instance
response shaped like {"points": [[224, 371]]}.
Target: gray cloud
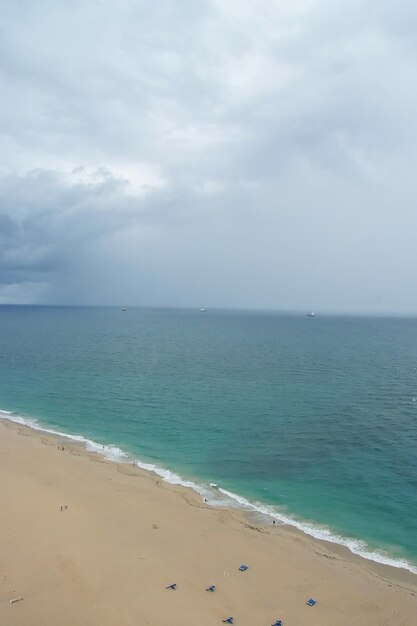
{"points": [[226, 154]]}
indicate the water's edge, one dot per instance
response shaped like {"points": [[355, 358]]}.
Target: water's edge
{"points": [[215, 495]]}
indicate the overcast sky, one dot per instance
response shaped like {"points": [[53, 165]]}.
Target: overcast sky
{"points": [[219, 153]]}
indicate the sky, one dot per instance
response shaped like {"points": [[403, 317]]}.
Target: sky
{"points": [[219, 153]]}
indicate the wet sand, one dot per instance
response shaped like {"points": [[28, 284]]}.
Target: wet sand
{"points": [[126, 535]]}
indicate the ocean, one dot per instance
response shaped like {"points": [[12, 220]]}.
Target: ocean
{"points": [[308, 421]]}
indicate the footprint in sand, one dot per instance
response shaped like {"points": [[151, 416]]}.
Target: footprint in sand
{"points": [[396, 619]]}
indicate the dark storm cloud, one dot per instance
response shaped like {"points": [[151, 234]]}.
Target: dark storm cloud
{"points": [[232, 154]]}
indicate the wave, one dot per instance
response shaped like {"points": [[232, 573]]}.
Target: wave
{"points": [[110, 452], [356, 546], [219, 497]]}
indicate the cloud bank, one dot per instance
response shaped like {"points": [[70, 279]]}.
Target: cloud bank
{"points": [[230, 154]]}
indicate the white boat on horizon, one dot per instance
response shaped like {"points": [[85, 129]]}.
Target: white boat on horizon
{"points": [[311, 314]]}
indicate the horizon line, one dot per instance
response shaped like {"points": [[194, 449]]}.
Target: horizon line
{"points": [[295, 312]]}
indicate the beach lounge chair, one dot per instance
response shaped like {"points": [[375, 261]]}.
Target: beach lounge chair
{"points": [[228, 620], [243, 568], [211, 588], [277, 623], [311, 602], [173, 586]]}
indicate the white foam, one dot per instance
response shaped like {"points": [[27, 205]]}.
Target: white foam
{"points": [[174, 479], [321, 532], [212, 495], [110, 452]]}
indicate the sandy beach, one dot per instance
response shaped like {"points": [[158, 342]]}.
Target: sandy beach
{"points": [[85, 541]]}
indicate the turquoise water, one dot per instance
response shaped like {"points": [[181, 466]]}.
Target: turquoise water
{"points": [[315, 419]]}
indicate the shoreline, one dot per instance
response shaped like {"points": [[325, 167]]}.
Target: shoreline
{"points": [[114, 506], [258, 512]]}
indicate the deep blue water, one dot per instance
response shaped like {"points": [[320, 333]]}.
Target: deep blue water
{"points": [[314, 418]]}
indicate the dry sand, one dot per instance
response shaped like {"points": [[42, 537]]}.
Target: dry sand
{"points": [[106, 559]]}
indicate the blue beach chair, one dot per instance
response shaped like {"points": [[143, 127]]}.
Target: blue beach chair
{"points": [[173, 586], [311, 602], [211, 588], [277, 623], [228, 620], [243, 568]]}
